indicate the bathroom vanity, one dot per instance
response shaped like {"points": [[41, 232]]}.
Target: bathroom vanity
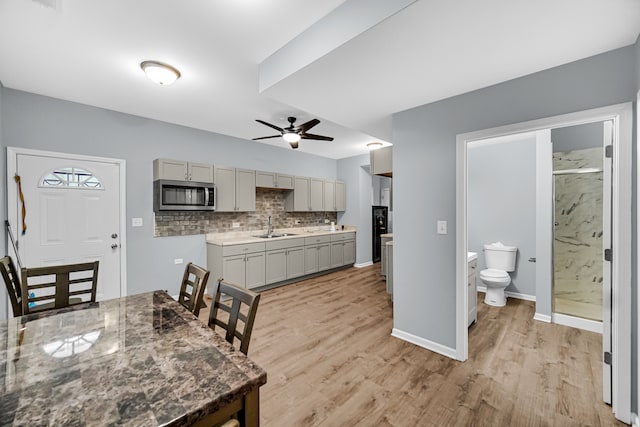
{"points": [[472, 268]]}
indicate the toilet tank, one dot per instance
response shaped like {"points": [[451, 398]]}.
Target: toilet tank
{"points": [[499, 256]]}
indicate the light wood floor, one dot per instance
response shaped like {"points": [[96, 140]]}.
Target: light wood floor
{"points": [[331, 361]]}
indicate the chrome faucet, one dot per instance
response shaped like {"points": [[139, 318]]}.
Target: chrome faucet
{"points": [[269, 229]]}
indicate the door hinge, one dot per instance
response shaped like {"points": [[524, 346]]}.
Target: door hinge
{"points": [[607, 358], [608, 151], [608, 255]]}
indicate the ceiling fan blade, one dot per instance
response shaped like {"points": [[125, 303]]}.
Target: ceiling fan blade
{"points": [[317, 137], [294, 145], [270, 125], [267, 137], [308, 125]]}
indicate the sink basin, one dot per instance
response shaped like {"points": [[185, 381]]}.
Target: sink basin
{"points": [[275, 235]]}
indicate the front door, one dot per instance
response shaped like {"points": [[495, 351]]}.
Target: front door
{"points": [[72, 213]]}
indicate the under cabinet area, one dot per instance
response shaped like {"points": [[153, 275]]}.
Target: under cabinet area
{"points": [[178, 170]]}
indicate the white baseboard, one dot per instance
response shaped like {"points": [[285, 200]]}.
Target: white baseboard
{"points": [[542, 317], [635, 420], [510, 294], [425, 343], [577, 322], [363, 264]]}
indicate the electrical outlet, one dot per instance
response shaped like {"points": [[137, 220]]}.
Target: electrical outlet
{"points": [[178, 261], [235, 225], [442, 227], [298, 221], [136, 222], [326, 221]]}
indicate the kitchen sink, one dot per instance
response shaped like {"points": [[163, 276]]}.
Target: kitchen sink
{"points": [[275, 235]]}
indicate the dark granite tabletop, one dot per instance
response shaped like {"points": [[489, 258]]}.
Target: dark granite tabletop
{"points": [[141, 360]]}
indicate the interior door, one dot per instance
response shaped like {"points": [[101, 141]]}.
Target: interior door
{"points": [[72, 215], [606, 265]]}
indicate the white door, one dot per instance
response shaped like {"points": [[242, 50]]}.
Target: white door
{"points": [[72, 214], [606, 265]]}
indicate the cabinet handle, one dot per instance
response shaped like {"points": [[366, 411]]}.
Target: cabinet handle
{"points": [[186, 177], [189, 177]]}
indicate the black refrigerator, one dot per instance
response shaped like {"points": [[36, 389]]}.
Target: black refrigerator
{"points": [[379, 215]]}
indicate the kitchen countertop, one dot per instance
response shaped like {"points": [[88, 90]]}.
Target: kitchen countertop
{"points": [[471, 256], [244, 237], [387, 235]]}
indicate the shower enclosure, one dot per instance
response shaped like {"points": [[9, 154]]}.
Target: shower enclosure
{"points": [[577, 240]]}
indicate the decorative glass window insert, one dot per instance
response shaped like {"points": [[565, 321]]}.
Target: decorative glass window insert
{"points": [[71, 177]]}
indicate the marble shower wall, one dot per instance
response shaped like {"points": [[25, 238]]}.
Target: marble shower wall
{"points": [[578, 234]]}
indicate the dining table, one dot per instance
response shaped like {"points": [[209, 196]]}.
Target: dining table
{"points": [[139, 360]]}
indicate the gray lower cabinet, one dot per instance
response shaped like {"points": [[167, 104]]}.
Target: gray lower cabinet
{"points": [[337, 254], [317, 254], [343, 249], [276, 261], [295, 262], [242, 264], [284, 260]]}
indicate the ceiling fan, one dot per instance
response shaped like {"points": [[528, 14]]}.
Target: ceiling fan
{"points": [[293, 134]]}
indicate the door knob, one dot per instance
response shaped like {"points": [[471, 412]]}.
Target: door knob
{"points": [[114, 246], [114, 236]]}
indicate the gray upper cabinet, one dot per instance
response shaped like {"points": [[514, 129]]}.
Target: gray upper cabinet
{"points": [[178, 170], [236, 189], [381, 161], [341, 196], [316, 194], [274, 180], [334, 196], [307, 195]]}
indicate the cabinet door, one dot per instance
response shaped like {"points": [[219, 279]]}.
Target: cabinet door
{"points": [[200, 172], [276, 266], [245, 190], [324, 256], [316, 195], [349, 252], [284, 181], [310, 259], [295, 262], [337, 254], [329, 196], [341, 196], [301, 194], [225, 180], [265, 179], [233, 269], [255, 270], [175, 170]]}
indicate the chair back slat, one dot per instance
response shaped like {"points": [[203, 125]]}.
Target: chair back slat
{"points": [[12, 282], [57, 291], [239, 298], [194, 282]]}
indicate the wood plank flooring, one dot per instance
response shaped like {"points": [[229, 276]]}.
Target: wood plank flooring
{"points": [[331, 361]]}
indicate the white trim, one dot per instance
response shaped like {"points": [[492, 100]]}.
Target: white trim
{"points": [[636, 419], [623, 118], [542, 317], [424, 343], [363, 264], [577, 322], [510, 294], [12, 158]]}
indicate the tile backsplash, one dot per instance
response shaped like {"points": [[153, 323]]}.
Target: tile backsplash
{"points": [[268, 202]]}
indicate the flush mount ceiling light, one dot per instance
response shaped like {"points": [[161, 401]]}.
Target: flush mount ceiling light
{"points": [[161, 73], [374, 145]]}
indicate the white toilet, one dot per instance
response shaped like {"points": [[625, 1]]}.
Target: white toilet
{"points": [[500, 260]]}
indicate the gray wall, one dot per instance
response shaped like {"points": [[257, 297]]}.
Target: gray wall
{"points": [[38, 122], [355, 172], [578, 137], [502, 203], [634, 250], [425, 173]]}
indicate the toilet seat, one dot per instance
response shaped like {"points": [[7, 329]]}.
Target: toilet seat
{"points": [[494, 273]]}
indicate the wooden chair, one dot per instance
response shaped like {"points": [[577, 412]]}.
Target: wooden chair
{"points": [[71, 280], [11, 280], [192, 290], [233, 307]]}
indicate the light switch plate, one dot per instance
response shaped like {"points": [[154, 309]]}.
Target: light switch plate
{"points": [[442, 227], [136, 222], [178, 261]]}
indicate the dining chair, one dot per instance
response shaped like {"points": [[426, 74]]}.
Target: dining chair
{"points": [[240, 305], [12, 281], [58, 286], [194, 282]]}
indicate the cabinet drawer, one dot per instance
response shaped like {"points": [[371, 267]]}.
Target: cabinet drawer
{"points": [[342, 236], [242, 249], [285, 243], [317, 239], [472, 267]]}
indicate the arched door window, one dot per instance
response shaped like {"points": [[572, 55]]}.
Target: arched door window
{"points": [[71, 177]]}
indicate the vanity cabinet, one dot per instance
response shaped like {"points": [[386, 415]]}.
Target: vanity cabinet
{"points": [[178, 170], [472, 297], [236, 189], [381, 161], [242, 264], [307, 195], [317, 254], [274, 180]]}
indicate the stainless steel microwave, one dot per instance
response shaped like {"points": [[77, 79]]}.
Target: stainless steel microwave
{"points": [[183, 196]]}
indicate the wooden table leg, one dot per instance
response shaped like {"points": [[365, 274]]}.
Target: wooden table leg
{"points": [[249, 416]]}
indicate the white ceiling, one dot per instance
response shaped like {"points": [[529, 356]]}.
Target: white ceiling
{"points": [[89, 51]]}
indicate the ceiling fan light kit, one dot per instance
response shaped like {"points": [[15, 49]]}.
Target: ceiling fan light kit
{"points": [[293, 134], [159, 72]]}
